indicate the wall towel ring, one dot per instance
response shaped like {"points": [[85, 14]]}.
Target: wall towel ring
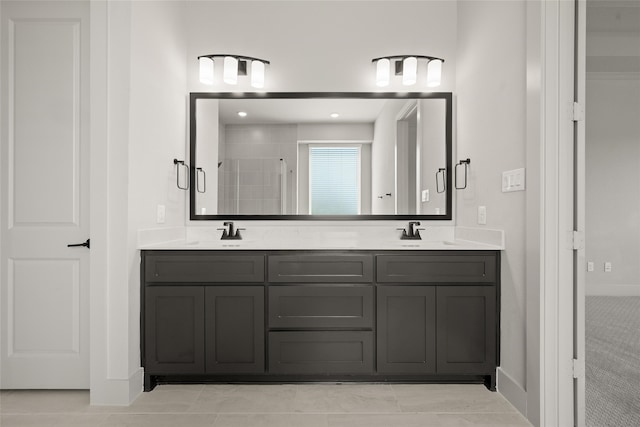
{"points": [[185, 167], [466, 164], [441, 173], [200, 172]]}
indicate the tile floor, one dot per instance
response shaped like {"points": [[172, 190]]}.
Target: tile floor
{"points": [[300, 405]]}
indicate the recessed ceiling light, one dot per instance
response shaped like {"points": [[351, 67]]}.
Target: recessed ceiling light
{"points": [[334, 115], [242, 114]]}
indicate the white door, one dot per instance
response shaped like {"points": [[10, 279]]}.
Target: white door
{"points": [[44, 203]]}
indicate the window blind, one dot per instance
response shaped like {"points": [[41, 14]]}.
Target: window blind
{"points": [[334, 180]]}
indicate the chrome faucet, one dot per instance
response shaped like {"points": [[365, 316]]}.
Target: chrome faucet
{"points": [[230, 233], [413, 233]]}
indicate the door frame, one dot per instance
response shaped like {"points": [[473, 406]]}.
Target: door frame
{"points": [[550, 211]]}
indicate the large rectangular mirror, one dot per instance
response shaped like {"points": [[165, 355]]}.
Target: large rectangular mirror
{"points": [[320, 156]]}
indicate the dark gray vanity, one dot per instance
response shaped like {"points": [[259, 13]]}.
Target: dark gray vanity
{"points": [[320, 315]]}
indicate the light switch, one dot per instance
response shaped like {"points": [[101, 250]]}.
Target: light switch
{"points": [[425, 195], [513, 180]]}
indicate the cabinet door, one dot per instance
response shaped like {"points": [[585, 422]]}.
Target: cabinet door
{"points": [[406, 329], [466, 329], [174, 329], [235, 329]]}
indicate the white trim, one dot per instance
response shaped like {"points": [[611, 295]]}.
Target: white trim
{"points": [[512, 391], [601, 289], [117, 392]]}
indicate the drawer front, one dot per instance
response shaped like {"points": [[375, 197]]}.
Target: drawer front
{"points": [[330, 306], [204, 268], [329, 352], [319, 268], [436, 268]]}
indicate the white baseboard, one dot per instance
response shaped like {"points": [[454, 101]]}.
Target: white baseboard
{"points": [[117, 392], [512, 391], [613, 290]]}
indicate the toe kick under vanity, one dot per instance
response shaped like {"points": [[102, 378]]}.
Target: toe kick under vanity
{"points": [[230, 315]]}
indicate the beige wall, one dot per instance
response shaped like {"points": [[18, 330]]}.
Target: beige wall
{"points": [[491, 132]]}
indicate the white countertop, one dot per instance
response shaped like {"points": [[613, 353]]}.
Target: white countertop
{"points": [[330, 238]]}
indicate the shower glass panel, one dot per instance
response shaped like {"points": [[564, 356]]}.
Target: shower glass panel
{"points": [[252, 186]]}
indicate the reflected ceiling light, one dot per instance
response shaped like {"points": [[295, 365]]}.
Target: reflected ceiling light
{"points": [[242, 113], [406, 66], [334, 115], [233, 66]]}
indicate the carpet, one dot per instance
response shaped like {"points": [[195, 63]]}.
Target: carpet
{"points": [[612, 361]]}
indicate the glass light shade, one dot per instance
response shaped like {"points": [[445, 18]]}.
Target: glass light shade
{"points": [[257, 74], [409, 71], [434, 73], [230, 72], [383, 70], [206, 70]]}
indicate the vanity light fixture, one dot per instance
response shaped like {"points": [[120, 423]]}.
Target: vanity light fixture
{"points": [[406, 66], [233, 66]]}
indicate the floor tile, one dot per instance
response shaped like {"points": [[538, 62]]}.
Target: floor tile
{"points": [[44, 401], [52, 420], [229, 398], [271, 420], [443, 398], [159, 420], [329, 398]]}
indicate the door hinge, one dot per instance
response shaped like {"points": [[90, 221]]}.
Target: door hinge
{"points": [[578, 368], [577, 113], [576, 240]]}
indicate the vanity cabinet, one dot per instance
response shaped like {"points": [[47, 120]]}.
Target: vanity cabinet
{"points": [[280, 316], [202, 314], [437, 314], [321, 313]]}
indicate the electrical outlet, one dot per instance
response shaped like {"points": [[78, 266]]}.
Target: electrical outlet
{"points": [[160, 214], [590, 266], [482, 215], [607, 267]]}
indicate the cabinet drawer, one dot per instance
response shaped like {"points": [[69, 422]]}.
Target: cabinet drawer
{"points": [[321, 352], [329, 306], [436, 268], [319, 268], [194, 268]]}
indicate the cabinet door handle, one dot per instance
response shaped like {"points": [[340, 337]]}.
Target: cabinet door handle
{"points": [[86, 244]]}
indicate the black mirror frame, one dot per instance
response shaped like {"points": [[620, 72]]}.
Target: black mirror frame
{"points": [[447, 96]]}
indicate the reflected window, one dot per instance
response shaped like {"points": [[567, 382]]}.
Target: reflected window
{"points": [[334, 180]]}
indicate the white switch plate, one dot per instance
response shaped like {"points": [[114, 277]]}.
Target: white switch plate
{"points": [[160, 214], [607, 267], [590, 266], [513, 180], [425, 195], [482, 215]]}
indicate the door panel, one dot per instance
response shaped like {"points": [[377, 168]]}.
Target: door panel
{"points": [[44, 162]]}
